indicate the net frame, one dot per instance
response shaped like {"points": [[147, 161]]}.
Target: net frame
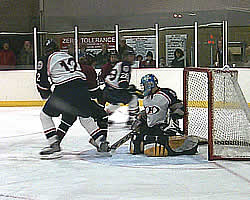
{"points": [[209, 104]]}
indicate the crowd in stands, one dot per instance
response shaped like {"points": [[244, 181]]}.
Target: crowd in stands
{"points": [[23, 57], [104, 56]]}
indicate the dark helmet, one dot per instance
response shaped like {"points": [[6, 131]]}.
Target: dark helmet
{"points": [[50, 46]]}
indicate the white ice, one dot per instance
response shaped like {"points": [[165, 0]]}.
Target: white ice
{"points": [[79, 175]]}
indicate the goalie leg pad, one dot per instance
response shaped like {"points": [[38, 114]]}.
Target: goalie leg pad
{"points": [[163, 145], [183, 145], [155, 146]]}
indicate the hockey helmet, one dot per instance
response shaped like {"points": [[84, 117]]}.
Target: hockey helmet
{"points": [[148, 82], [50, 46]]}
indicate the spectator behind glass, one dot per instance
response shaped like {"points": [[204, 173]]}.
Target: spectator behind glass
{"points": [[178, 59], [219, 54], [25, 57], [149, 62], [139, 58], [7, 56], [103, 56], [162, 62], [123, 47]]}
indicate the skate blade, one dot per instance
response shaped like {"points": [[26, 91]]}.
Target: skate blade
{"points": [[55, 155]]}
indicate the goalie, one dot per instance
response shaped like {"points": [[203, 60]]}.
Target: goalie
{"points": [[156, 130]]}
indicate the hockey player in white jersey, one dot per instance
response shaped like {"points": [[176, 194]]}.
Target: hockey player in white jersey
{"points": [[70, 98], [117, 88], [157, 126]]}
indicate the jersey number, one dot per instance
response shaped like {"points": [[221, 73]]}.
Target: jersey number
{"points": [[71, 65]]}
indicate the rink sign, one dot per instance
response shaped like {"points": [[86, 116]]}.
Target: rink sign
{"points": [[93, 43], [174, 42]]}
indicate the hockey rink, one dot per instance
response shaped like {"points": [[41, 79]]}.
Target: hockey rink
{"points": [[80, 174]]}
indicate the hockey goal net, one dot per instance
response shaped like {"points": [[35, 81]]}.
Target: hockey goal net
{"points": [[217, 112]]}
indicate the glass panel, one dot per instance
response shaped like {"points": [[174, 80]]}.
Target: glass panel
{"points": [[16, 51], [94, 47], [210, 46], [64, 40], [238, 47], [143, 42], [175, 47]]}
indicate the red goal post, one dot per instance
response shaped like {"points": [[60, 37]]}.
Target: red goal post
{"points": [[217, 112]]}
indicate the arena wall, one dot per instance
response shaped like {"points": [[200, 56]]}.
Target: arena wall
{"points": [[18, 87]]}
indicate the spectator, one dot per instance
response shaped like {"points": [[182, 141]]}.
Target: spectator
{"points": [[162, 62], [102, 57], [7, 56], [149, 62], [219, 54], [123, 47], [25, 57], [139, 58], [178, 58]]}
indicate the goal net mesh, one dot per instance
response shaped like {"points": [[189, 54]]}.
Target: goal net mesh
{"points": [[217, 112]]}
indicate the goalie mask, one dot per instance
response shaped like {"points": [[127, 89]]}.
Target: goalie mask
{"points": [[148, 82]]}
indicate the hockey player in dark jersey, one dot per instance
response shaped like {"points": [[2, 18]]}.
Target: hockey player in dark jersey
{"points": [[107, 67], [93, 85], [117, 81], [157, 131], [70, 98]]}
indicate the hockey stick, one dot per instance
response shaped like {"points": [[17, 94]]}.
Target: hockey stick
{"points": [[121, 141]]}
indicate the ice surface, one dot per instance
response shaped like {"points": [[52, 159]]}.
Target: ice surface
{"points": [[79, 175]]}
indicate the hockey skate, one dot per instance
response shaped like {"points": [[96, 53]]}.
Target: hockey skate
{"points": [[51, 152], [100, 143]]}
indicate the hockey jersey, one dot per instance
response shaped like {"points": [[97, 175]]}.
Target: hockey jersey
{"points": [[119, 77], [157, 106], [57, 69], [91, 76]]}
